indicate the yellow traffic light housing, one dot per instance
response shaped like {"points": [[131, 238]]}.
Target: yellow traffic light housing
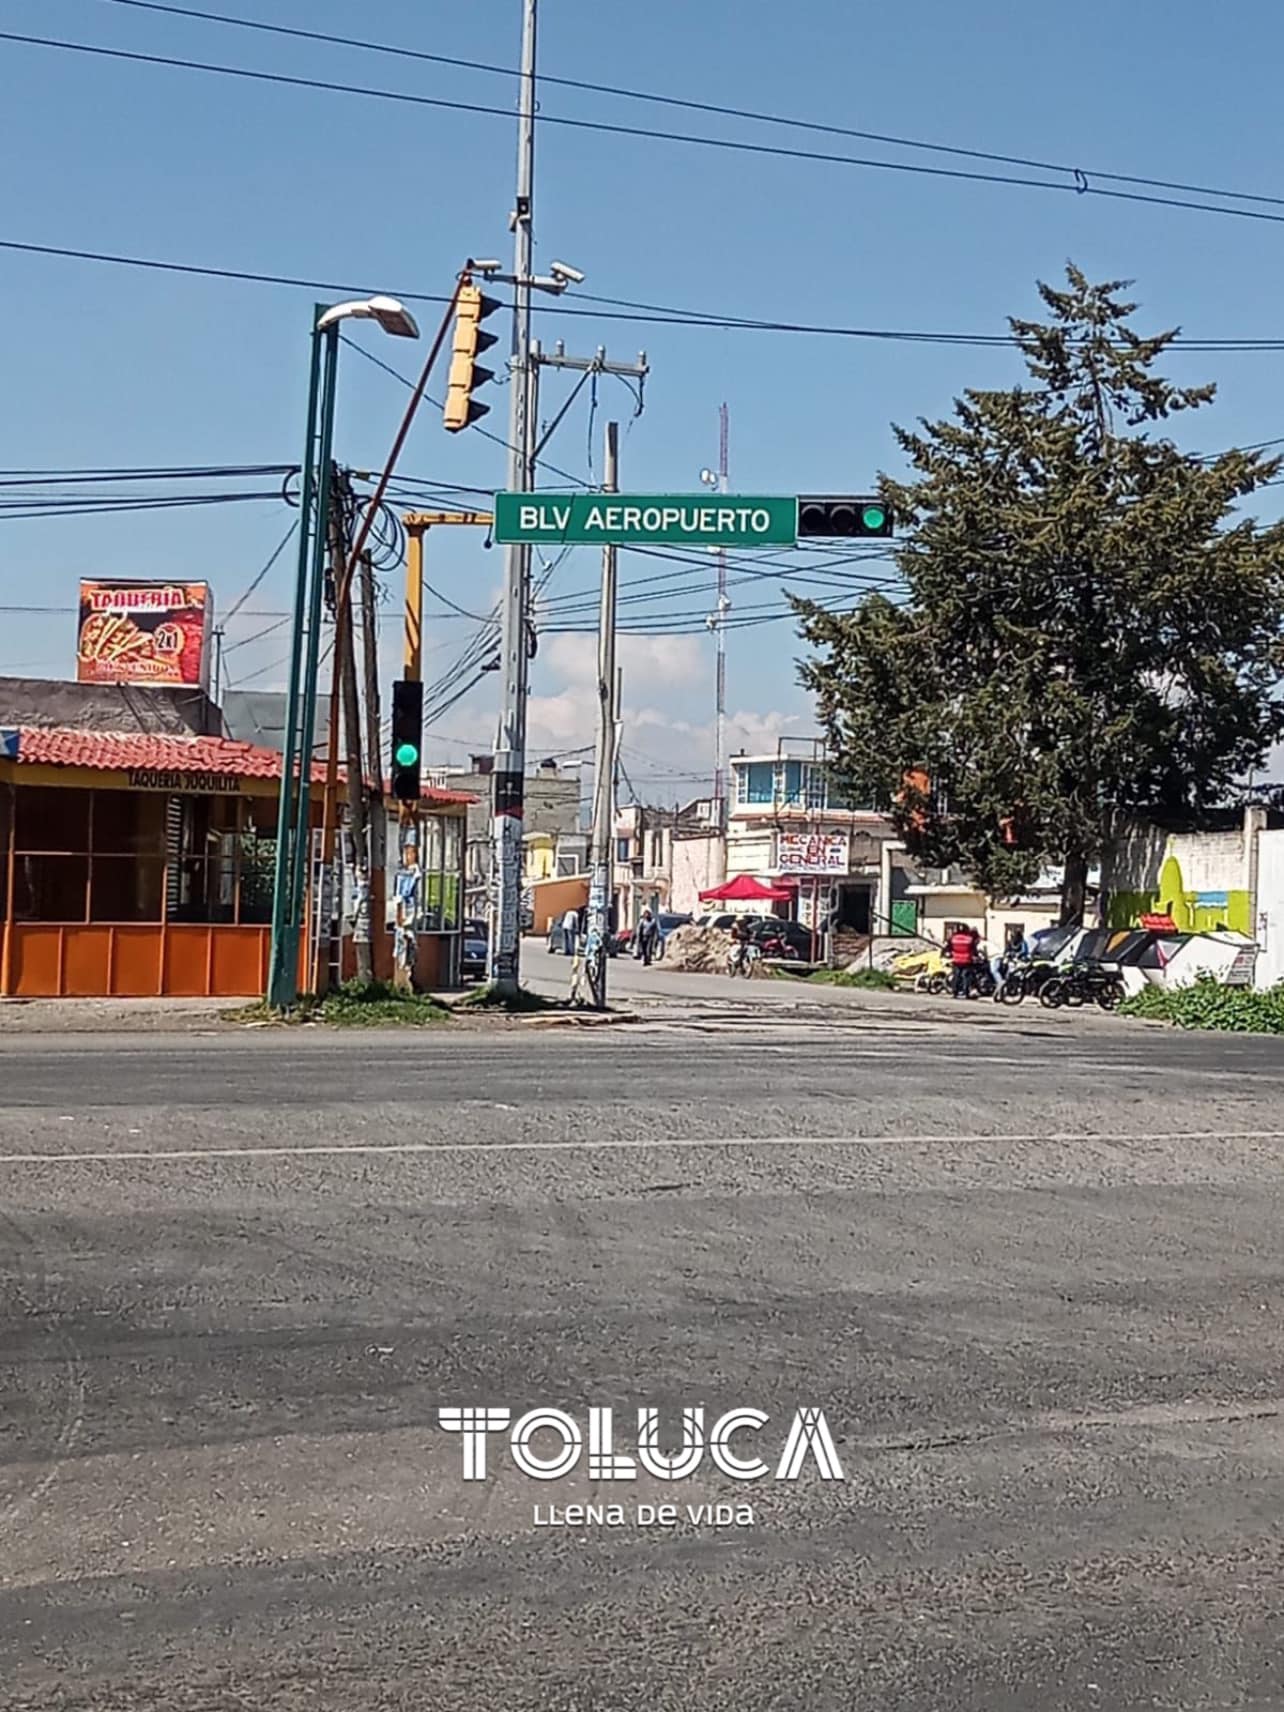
{"points": [[466, 375]]}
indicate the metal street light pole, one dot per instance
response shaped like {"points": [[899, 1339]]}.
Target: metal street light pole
{"points": [[292, 840]]}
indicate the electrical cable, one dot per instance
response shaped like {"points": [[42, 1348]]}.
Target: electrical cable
{"points": [[436, 404], [668, 318], [655, 98], [1079, 186], [276, 554]]}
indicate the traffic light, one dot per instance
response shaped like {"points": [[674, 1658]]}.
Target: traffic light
{"points": [[407, 738], [465, 374], [842, 515]]}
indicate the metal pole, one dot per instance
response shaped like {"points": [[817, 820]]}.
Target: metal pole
{"points": [[312, 665], [281, 979], [604, 765], [510, 742], [374, 766], [720, 731], [413, 646]]}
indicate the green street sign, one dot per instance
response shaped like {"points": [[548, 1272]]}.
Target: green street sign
{"points": [[644, 520]]}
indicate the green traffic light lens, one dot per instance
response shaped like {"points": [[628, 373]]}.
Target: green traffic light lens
{"points": [[406, 755], [873, 517]]}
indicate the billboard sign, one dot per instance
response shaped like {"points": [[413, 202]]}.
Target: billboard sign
{"points": [[811, 852], [144, 633]]}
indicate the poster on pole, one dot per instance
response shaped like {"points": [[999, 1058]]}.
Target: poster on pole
{"points": [[811, 852], [144, 633]]}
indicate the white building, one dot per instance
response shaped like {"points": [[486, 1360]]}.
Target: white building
{"points": [[789, 822]]}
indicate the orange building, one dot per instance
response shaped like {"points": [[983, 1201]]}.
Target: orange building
{"points": [[140, 864]]}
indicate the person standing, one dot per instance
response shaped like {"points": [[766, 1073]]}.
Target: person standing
{"points": [[648, 937], [961, 947], [570, 931], [409, 894]]}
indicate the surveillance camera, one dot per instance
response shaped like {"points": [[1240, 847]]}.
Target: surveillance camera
{"points": [[564, 270], [489, 265]]}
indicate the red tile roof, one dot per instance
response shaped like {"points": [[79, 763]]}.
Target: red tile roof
{"points": [[129, 751], [133, 751]]}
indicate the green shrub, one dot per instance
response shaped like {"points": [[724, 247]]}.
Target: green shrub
{"points": [[1209, 1005], [876, 980], [374, 1004]]}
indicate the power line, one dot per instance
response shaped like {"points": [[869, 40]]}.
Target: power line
{"points": [[660, 316], [1081, 179], [436, 403], [276, 554]]}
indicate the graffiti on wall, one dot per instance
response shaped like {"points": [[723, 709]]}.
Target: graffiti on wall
{"points": [[1191, 911]]}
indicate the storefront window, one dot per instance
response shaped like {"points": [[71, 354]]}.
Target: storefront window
{"points": [[48, 817], [50, 888], [128, 822], [6, 827], [137, 856], [126, 888]]}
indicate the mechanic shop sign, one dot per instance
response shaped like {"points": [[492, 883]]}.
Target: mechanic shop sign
{"points": [[811, 852]]}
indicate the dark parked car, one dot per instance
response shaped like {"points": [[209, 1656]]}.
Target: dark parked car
{"points": [[476, 950], [792, 933]]}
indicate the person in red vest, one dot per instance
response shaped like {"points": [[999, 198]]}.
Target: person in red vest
{"points": [[961, 950]]}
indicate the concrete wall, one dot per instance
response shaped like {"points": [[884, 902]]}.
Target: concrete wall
{"points": [[699, 864], [1152, 872], [1270, 909], [552, 898]]}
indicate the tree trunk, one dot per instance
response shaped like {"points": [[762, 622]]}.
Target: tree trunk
{"points": [[1074, 889]]}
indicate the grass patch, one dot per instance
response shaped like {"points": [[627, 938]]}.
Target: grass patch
{"points": [[358, 1004], [1209, 1005], [376, 1004], [489, 998], [871, 980]]}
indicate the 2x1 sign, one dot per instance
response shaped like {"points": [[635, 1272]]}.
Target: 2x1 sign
{"points": [[642, 520]]}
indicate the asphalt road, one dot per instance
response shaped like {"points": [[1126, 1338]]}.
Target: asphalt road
{"points": [[1035, 1285]]}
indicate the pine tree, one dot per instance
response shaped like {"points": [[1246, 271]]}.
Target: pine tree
{"points": [[1089, 630]]}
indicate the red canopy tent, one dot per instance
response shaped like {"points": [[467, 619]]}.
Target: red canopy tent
{"points": [[745, 889]]}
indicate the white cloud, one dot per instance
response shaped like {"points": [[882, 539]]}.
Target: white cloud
{"points": [[646, 661]]}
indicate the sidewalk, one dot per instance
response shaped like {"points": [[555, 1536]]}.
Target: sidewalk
{"points": [[111, 1016]]}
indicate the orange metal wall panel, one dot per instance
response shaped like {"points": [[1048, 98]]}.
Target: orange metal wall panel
{"points": [[86, 960], [237, 961], [187, 956], [431, 962], [36, 961], [136, 962]]}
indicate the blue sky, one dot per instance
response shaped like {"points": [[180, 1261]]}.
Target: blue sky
{"points": [[110, 366]]}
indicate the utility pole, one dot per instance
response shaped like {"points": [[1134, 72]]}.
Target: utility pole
{"points": [[509, 777], [354, 761], [604, 765], [718, 624]]}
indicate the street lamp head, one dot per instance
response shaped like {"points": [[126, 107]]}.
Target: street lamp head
{"points": [[566, 273], [391, 315]]}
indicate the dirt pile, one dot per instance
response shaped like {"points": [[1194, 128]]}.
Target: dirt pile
{"points": [[698, 950]]}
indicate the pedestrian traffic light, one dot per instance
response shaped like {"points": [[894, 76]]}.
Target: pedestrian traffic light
{"points": [[407, 738], [842, 515], [465, 373]]}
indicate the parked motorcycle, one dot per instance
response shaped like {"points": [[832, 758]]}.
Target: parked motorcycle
{"points": [[1024, 979], [1083, 983]]}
